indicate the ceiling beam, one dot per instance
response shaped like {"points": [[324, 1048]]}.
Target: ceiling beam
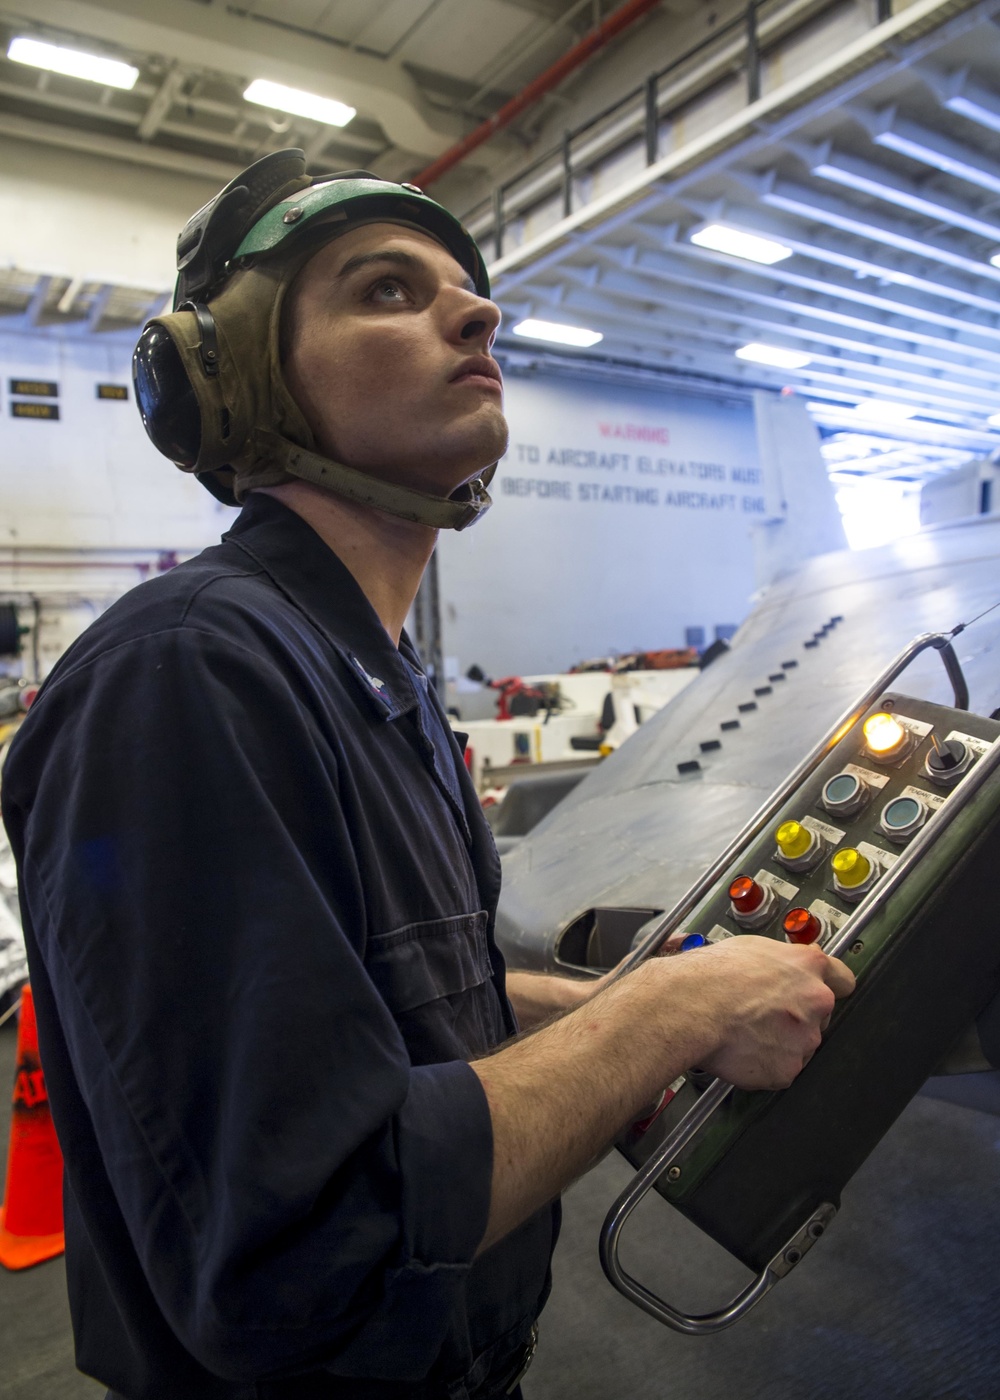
{"points": [[117, 148], [682, 325], [615, 288], [679, 274], [831, 286], [98, 307], [909, 138], [821, 208], [33, 311], [159, 109], [218, 39], [891, 186], [908, 37], [899, 271]]}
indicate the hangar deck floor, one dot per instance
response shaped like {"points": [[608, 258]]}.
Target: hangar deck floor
{"points": [[899, 1302]]}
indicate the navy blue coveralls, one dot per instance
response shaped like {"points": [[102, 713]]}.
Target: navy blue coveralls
{"points": [[258, 895]]}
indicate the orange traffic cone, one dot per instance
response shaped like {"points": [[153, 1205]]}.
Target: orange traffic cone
{"points": [[31, 1217]]}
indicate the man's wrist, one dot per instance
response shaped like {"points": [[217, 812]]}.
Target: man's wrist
{"points": [[539, 996]]}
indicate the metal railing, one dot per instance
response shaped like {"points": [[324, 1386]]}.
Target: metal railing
{"points": [[633, 123]]}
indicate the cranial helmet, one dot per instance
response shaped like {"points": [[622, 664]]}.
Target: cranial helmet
{"points": [[208, 376]]}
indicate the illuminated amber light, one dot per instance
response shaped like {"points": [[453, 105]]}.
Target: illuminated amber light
{"points": [[851, 867], [801, 927], [793, 839], [883, 734], [746, 894]]}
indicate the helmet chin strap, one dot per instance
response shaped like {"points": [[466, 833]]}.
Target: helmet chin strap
{"points": [[456, 512]]}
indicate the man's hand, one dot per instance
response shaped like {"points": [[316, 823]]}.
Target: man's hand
{"points": [[750, 1010], [771, 1003]]}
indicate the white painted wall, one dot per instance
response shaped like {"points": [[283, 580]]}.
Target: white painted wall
{"points": [[622, 516], [88, 507], [957, 494], [81, 216], [92, 480]]}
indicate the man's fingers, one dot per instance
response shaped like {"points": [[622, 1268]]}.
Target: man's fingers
{"points": [[838, 978]]}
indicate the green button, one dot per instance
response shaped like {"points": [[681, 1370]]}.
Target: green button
{"points": [[901, 813]]}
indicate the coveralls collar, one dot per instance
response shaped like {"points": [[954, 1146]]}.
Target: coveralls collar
{"points": [[306, 570]]}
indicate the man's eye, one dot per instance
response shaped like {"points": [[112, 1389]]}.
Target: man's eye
{"points": [[388, 290]]}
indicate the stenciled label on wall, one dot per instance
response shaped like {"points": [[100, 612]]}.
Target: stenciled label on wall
{"points": [[112, 391], [34, 388], [625, 468], [21, 409], [624, 519]]}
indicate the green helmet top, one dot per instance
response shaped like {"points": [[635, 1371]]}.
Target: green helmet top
{"points": [[360, 199], [273, 204]]}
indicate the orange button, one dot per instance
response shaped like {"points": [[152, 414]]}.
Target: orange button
{"points": [[801, 927], [746, 894]]}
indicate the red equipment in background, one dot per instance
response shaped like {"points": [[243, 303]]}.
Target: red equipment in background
{"points": [[515, 696]]}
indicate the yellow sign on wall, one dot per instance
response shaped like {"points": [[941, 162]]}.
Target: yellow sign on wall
{"points": [[35, 388]]}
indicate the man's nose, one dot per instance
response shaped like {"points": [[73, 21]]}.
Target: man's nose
{"points": [[477, 322]]}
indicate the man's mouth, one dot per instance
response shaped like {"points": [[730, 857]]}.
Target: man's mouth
{"points": [[481, 370]]}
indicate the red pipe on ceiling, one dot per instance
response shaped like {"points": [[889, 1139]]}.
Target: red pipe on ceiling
{"points": [[606, 31]]}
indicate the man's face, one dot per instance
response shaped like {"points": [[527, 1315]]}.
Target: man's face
{"points": [[388, 356]]}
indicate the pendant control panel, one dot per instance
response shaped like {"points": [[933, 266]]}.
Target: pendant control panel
{"points": [[926, 964]]}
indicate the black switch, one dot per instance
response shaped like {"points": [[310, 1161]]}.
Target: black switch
{"points": [[690, 765], [729, 724], [708, 745], [946, 757], [762, 690], [747, 705]]}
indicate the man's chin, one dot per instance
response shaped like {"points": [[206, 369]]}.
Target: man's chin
{"points": [[439, 460], [460, 463]]}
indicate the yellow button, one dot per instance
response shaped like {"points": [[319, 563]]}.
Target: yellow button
{"points": [[851, 867], [883, 733], [793, 839]]}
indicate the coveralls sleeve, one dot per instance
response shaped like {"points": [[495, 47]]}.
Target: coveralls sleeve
{"points": [[297, 1192]]}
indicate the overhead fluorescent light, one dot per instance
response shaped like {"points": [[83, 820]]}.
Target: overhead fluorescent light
{"points": [[74, 63], [885, 410], [299, 103], [759, 354], [979, 112], [740, 245], [937, 157], [993, 420], [558, 334]]}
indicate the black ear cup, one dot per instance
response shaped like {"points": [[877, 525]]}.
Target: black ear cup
{"points": [[167, 402], [221, 484]]}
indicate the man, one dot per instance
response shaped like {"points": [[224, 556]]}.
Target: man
{"points": [[306, 1155]]}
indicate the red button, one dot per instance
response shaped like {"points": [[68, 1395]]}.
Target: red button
{"points": [[801, 927], [746, 894]]}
